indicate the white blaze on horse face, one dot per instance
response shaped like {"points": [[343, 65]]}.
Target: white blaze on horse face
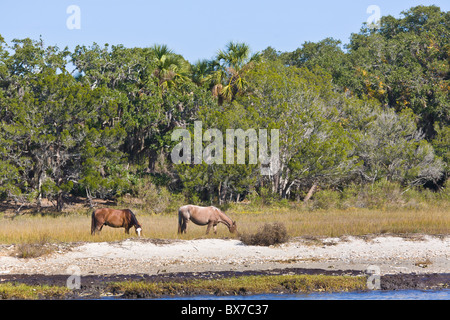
{"points": [[138, 230]]}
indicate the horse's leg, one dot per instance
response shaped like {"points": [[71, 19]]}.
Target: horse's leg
{"points": [[209, 227], [127, 228], [184, 226], [215, 229], [97, 229]]}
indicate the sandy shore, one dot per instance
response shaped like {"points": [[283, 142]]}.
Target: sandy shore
{"points": [[392, 255]]}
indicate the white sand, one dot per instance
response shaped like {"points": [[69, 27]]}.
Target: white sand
{"points": [[391, 254]]}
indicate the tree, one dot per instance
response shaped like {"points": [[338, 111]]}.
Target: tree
{"points": [[314, 149], [228, 68], [48, 125], [327, 54], [441, 144], [148, 93], [220, 182], [404, 64], [201, 72], [169, 67], [389, 145]]}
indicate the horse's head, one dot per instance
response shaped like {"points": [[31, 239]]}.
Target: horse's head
{"points": [[138, 230], [233, 227]]}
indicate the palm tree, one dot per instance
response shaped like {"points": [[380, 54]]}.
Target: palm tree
{"points": [[170, 68], [229, 67], [201, 72]]}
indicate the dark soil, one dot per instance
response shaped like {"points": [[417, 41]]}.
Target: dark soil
{"points": [[96, 286]]}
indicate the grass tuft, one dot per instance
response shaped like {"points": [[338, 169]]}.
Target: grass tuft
{"points": [[42, 247], [268, 235], [27, 292]]}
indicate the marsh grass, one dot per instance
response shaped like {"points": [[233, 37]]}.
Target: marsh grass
{"points": [[244, 285], [75, 227], [27, 292], [241, 286]]}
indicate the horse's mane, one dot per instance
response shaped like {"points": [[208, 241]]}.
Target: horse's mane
{"points": [[133, 218], [227, 221]]}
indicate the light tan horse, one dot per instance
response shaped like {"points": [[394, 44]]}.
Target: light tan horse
{"points": [[203, 216], [114, 218]]}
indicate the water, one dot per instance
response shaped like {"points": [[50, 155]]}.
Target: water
{"points": [[369, 295]]}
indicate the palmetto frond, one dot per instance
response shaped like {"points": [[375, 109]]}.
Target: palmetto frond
{"points": [[201, 72], [235, 56], [169, 67], [231, 65], [224, 74]]}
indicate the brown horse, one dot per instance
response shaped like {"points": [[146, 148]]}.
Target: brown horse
{"points": [[114, 218], [203, 216]]}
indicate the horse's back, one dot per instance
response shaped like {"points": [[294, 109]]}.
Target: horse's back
{"points": [[114, 216], [97, 213], [201, 215]]}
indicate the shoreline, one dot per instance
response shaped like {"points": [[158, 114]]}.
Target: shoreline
{"points": [[391, 254], [419, 262], [105, 286]]}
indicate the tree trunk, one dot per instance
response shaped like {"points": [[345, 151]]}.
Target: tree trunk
{"points": [[59, 202], [310, 193], [152, 159], [39, 198]]}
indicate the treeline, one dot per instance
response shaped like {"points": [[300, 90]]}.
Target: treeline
{"points": [[97, 121]]}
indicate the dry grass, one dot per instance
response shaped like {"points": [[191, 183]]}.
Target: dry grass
{"points": [[34, 249], [299, 223]]}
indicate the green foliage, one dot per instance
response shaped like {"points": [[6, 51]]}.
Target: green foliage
{"points": [[50, 135], [441, 144], [382, 194], [327, 199], [404, 63], [356, 121], [147, 195]]}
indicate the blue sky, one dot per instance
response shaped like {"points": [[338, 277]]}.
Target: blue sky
{"points": [[196, 29]]}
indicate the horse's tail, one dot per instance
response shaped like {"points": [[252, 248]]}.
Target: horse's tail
{"points": [[93, 223], [181, 221]]}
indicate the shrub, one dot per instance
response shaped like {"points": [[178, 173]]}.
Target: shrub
{"points": [[149, 197], [268, 235], [381, 194], [34, 249], [326, 199]]}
